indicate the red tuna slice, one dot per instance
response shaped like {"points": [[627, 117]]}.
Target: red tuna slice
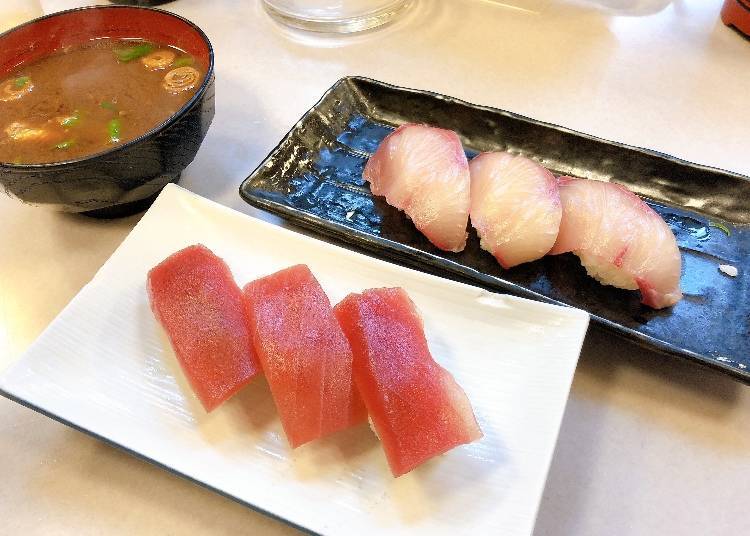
{"points": [[417, 408], [196, 300], [304, 354]]}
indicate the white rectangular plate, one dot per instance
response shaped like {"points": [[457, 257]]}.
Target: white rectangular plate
{"points": [[104, 367]]}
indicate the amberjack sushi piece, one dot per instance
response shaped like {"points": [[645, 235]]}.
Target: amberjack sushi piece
{"points": [[304, 354], [196, 300], [515, 207], [620, 240], [416, 407], [423, 171]]}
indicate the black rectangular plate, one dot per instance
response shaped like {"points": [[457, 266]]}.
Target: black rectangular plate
{"points": [[314, 179]]}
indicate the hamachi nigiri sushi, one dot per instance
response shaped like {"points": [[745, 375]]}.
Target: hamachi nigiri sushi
{"points": [[416, 407], [423, 171], [620, 240], [194, 297], [304, 354], [515, 207]]}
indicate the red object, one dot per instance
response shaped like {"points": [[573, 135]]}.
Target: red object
{"points": [[41, 37], [304, 354], [417, 408], [737, 13], [196, 300]]}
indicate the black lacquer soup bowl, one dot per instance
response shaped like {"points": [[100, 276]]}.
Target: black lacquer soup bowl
{"points": [[125, 179]]}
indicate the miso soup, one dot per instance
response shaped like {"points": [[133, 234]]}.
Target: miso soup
{"points": [[91, 98]]}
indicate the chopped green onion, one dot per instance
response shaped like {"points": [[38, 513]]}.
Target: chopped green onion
{"points": [[184, 61], [71, 120], [721, 227], [108, 105], [63, 145], [113, 128], [21, 81], [133, 53]]}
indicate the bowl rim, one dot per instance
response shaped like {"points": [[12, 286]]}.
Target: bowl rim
{"points": [[171, 120]]}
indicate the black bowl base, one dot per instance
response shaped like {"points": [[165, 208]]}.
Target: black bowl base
{"points": [[126, 209]]}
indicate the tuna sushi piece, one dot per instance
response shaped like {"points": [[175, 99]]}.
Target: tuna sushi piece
{"points": [[304, 354], [196, 300], [417, 409], [423, 171], [620, 240], [515, 207]]}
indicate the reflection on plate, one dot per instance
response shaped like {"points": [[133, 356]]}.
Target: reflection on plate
{"points": [[104, 367], [314, 178]]}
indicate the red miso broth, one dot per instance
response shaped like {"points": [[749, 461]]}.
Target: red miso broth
{"points": [[91, 98]]}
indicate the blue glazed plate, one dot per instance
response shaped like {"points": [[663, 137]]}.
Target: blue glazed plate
{"points": [[314, 179]]}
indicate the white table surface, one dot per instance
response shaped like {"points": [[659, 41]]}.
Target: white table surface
{"points": [[649, 444]]}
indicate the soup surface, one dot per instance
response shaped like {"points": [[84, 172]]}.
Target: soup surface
{"points": [[88, 99]]}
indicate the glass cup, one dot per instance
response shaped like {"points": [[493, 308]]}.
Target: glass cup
{"points": [[15, 12], [335, 16]]}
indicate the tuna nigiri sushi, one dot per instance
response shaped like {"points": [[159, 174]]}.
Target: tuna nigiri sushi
{"points": [[423, 171], [620, 240], [417, 409], [196, 300], [515, 207], [304, 354]]}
